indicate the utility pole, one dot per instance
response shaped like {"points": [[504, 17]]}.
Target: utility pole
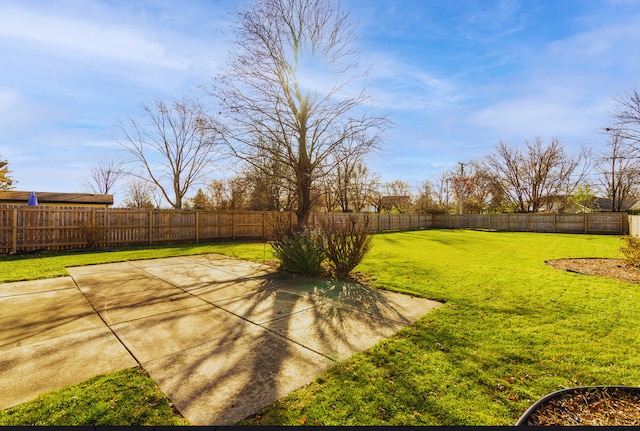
{"points": [[461, 186]]}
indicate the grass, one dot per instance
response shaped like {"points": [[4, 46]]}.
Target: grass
{"points": [[512, 330], [124, 398]]}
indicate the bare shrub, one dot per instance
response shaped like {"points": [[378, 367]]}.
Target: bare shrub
{"points": [[299, 251], [94, 235], [631, 250], [345, 244]]}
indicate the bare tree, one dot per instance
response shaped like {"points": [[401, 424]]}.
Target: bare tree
{"points": [[376, 194], [103, 176], [350, 182], [426, 202], [293, 95], [139, 194], [626, 118], [222, 195], [174, 149], [268, 184], [398, 188], [443, 191], [481, 192], [363, 185], [618, 170], [539, 178]]}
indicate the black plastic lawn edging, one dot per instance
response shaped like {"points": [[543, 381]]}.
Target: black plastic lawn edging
{"points": [[526, 416]]}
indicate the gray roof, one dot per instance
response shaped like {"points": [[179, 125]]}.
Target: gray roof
{"points": [[12, 196]]}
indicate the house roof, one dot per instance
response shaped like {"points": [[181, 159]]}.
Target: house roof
{"points": [[50, 198], [604, 204]]}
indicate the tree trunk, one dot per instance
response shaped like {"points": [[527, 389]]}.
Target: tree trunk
{"points": [[304, 199]]}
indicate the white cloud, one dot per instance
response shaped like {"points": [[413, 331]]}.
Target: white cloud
{"points": [[402, 87], [490, 21], [72, 37], [567, 89], [545, 115]]}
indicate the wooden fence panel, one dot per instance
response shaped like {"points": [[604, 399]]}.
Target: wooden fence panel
{"points": [[24, 229], [541, 223], [606, 223], [6, 230], [570, 223]]}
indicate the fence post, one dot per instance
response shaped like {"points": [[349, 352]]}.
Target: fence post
{"points": [[586, 229], [233, 225], [150, 227], [14, 233], [197, 227]]}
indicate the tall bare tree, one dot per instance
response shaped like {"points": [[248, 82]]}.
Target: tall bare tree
{"points": [[174, 148], [540, 177], [618, 169], [626, 118], [295, 93], [104, 175]]}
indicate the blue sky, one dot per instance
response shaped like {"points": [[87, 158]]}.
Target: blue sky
{"points": [[455, 77]]}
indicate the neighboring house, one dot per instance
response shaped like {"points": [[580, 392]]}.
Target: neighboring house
{"points": [[57, 199], [598, 205], [399, 203], [604, 205]]}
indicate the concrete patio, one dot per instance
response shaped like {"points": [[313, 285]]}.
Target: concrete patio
{"points": [[220, 336]]}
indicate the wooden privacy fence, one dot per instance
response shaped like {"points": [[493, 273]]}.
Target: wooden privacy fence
{"points": [[595, 223], [24, 229]]}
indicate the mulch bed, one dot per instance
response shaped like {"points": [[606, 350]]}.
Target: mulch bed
{"points": [[600, 406], [612, 268]]}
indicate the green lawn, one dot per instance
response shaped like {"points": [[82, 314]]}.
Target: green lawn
{"points": [[512, 330], [129, 397]]}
